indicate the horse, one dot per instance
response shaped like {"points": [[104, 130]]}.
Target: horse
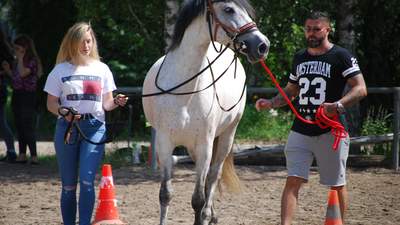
{"points": [[194, 96]]}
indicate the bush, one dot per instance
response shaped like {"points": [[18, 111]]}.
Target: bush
{"points": [[377, 122], [273, 125]]}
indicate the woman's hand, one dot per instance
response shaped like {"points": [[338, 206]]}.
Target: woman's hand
{"points": [[110, 102], [6, 67], [120, 100], [19, 52], [68, 114]]}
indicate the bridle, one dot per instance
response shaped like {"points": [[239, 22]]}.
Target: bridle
{"points": [[233, 34]]}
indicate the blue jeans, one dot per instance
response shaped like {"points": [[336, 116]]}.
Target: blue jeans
{"points": [[5, 129], [78, 158]]}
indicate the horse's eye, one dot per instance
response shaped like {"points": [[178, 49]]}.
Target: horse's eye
{"points": [[229, 10]]}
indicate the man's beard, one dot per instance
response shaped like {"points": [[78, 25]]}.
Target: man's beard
{"points": [[314, 42]]}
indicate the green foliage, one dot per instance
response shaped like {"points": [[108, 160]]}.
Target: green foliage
{"points": [[48, 161], [271, 125], [129, 34], [118, 158], [377, 122]]}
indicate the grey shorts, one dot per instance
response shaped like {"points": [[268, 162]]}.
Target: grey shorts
{"points": [[300, 151]]}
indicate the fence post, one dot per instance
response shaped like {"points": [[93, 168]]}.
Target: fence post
{"points": [[130, 114], [396, 118]]}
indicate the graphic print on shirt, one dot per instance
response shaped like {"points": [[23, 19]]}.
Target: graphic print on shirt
{"points": [[312, 82], [82, 87], [320, 78]]}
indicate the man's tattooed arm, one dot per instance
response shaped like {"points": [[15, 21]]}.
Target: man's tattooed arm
{"points": [[291, 90]]}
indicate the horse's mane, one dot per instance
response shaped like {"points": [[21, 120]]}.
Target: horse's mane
{"points": [[190, 10]]}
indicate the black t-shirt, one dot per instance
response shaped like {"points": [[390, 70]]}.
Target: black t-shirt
{"points": [[321, 78]]}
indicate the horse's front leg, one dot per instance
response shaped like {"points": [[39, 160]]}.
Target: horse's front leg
{"points": [[203, 153], [164, 148]]}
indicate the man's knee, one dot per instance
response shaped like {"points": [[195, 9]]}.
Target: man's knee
{"points": [[338, 188], [295, 182]]}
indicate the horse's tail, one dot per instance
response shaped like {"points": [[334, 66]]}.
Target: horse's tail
{"points": [[229, 176]]}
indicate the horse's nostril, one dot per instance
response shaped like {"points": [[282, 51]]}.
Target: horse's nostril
{"points": [[262, 48]]}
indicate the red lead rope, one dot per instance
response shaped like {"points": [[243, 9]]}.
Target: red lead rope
{"points": [[321, 119]]}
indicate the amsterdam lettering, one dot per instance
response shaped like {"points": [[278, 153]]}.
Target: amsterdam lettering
{"points": [[314, 67]]}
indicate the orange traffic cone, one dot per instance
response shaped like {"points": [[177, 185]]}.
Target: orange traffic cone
{"points": [[333, 215], [107, 212]]}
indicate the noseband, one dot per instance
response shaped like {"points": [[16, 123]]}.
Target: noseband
{"points": [[232, 32]]}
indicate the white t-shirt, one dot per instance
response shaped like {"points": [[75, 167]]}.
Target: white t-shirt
{"points": [[81, 87]]}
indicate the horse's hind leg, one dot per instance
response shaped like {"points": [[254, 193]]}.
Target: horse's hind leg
{"points": [[222, 148], [164, 149]]}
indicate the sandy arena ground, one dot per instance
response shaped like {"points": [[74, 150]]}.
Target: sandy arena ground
{"points": [[30, 195]]}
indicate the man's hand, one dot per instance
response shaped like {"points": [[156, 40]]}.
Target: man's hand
{"points": [[330, 109], [263, 104]]}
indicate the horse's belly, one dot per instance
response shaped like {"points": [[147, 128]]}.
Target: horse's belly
{"points": [[183, 127]]}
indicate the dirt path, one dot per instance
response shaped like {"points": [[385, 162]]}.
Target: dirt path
{"points": [[30, 195]]}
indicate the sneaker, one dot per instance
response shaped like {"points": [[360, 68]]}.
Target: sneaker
{"points": [[21, 159], [4, 158], [10, 157], [34, 161]]}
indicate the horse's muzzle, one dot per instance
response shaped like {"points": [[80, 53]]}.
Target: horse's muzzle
{"points": [[254, 45]]}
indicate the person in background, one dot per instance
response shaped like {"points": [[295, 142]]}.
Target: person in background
{"points": [[80, 81], [24, 75], [318, 78], [6, 57]]}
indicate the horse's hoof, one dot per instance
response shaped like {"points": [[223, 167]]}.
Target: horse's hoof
{"points": [[214, 220]]}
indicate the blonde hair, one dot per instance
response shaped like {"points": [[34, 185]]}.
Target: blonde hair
{"points": [[69, 49]]}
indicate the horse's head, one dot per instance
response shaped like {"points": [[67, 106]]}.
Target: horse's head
{"points": [[230, 22]]}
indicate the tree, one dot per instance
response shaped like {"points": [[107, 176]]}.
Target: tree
{"points": [[346, 38]]}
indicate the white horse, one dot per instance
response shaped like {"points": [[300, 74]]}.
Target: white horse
{"points": [[204, 122]]}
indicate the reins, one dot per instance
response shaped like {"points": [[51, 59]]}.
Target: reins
{"points": [[66, 111], [215, 89], [321, 119]]}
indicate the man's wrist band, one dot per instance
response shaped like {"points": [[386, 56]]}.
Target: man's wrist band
{"points": [[340, 108]]}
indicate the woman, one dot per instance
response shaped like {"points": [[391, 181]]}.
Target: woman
{"points": [[25, 75], [80, 81], [6, 57]]}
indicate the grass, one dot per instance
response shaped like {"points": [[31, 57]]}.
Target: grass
{"points": [[273, 125], [117, 158]]}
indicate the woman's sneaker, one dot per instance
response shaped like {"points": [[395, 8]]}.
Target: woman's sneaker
{"points": [[10, 157]]}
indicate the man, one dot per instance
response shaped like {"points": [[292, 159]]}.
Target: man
{"points": [[318, 77]]}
